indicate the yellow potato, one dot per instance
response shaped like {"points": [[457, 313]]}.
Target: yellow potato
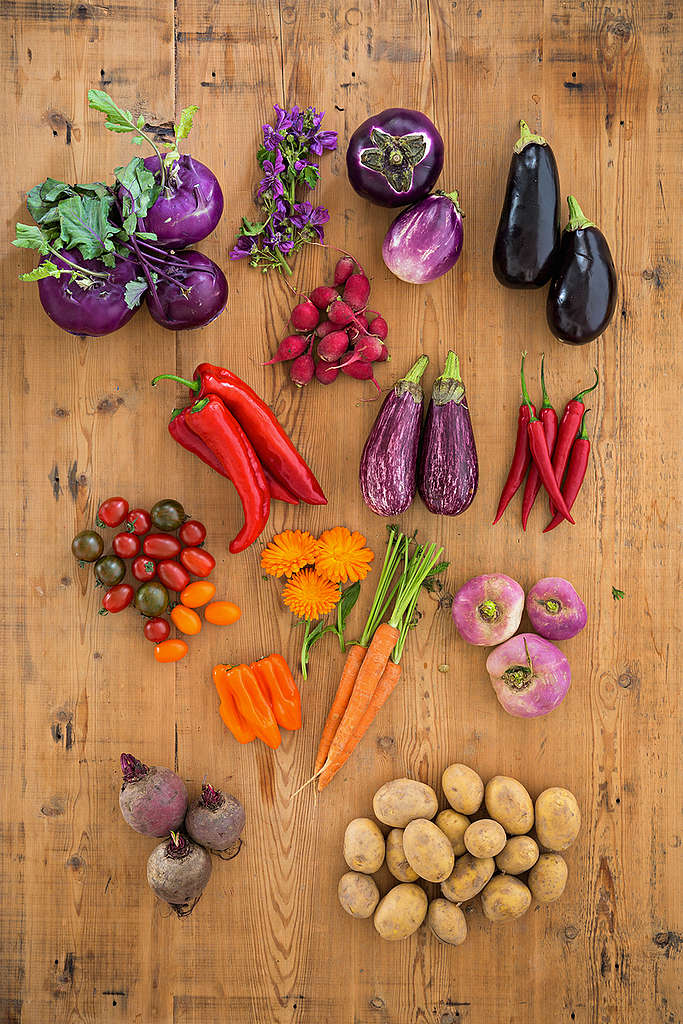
{"points": [[508, 802], [358, 894], [402, 800], [396, 858], [548, 877], [485, 838], [469, 876], [453, 825], [401, 912], [518, 855], [505, 898], [428, 850], [462, 788], [363, 846], [447, 922], [558, 819]]}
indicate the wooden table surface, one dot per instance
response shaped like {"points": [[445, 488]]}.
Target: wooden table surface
{"points": [[82, 937]]}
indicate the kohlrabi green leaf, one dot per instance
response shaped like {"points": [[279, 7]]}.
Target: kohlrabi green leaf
{"points": [[118, 120], [30, 236], [133, 292], [46, 269], [84, 225], [141, 188], [184, 126]]}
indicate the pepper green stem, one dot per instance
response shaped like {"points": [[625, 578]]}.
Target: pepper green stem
{"points": [[547, 404], [193, 385], [176, 413], [198, 406], [587, 391], [525, 393], [416, 370], [526, 137], [577, 220], [583, 433]]}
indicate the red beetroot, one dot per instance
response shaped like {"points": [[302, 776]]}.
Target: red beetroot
{"points": [[177, 871], [305, 316], [302, 370], [357, 291], [326, 372], [323, 296], [152, 800], [378, 327], [289, 348], [215, 820], [340, 313], [325, 327], [343, 270], [333, 346]]}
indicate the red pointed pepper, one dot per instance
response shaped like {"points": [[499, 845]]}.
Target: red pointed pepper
{"points": [[520, 459], [548, 418], [541, 456], [571, 419], [576, 471]]}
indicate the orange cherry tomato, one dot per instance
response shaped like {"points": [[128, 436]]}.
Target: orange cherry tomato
{"points": [[222, 613], [170, 650], [196, 594], [186, 620]]}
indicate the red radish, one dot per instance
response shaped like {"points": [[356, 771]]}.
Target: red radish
{"points": [[323, 296], [177, 871], [384, 354], [360, 371], [215, 820], [333, 346], [302, 370], [379, 328], [362, 321], [326, 372], [325, 327], [357, 291], [152, 800], [305, 316], [289, 348], [367, 350], [340, 313], [343, 270]]}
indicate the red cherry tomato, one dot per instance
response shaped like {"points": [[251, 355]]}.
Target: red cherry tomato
{"points": [[143, 568], [117, 598], [112, 512], [140, 521], [173, 575], [157, 630], [126, 545], [192, 533], [198, 561], [161, 545]]}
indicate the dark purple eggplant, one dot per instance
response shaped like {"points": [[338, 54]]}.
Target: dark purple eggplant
{"points": [[448, 469], [583, 292], [528, 236], [389, 459]]}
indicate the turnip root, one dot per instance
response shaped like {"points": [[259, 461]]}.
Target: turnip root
{"points": [[555, 609], [216, 820], [152, 800], [529, 674], [488, 609], [177, 871]]}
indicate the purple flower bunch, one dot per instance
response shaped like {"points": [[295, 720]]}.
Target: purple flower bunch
{"points": [[285, 159]]}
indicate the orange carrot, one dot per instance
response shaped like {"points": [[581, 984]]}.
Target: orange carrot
{"points": [[353, 662]]}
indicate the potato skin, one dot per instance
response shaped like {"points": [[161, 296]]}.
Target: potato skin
{"points": [[400, 801], [462, 788], [469, 876], [505, 898], [363, 846], [358, 894], [400, 912], [428, 850], [396, 857], [519, 854], [453, 825], [508, 802], [558, 819], [548, 877], [485, 838], [447, 922]]}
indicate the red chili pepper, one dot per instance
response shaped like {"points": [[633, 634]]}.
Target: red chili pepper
{"points": [[520, 459], [576, 471], [272, 445], [548, 418], [569, 426], [219, 430], [541, 456]]}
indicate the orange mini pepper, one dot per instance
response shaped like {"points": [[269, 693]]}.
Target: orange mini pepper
{"points": [[277, 683], [252, 704], [242, 732]]}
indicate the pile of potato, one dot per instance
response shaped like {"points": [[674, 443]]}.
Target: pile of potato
{"points": [[466, 857]]}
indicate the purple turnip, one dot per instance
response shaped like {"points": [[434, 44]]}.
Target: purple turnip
{"points": [[152, 800], [177, 871], [488, 609], [555, 609], [216, 820], [529, 674]]}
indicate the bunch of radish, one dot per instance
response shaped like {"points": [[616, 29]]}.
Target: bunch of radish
{"points": [[335, 331]]}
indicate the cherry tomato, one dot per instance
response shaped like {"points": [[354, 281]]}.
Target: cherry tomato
{"points": [[197, 594], [151, 599], [143, 568], [110, 570], [138, 521], [157, 630], [192, 533], [170, 650], [168, 515], [161, 545], [87, 546], [112, 512], [222, 613], [198, 561], [186, 620], [117, 598], [172, 575], [126, 545]]}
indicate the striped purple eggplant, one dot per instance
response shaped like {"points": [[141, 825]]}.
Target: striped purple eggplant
{"points": [[389, 459], [448, 470]]}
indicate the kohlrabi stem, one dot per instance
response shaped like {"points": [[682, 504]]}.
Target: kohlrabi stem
{"points": [[526, 137], [488, 610], [84, 271], [577, 220], [416, 370], [193, 385], [143, 265]]}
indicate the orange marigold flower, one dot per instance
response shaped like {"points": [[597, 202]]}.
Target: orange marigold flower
{"points": [[288, 552], [309, 596], [343, 556]]}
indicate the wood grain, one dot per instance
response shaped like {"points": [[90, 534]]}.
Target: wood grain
{"points": [[82, 937]]}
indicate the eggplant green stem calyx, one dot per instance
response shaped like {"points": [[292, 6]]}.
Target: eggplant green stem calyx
{"points": [[577, 220], [526, 137]]}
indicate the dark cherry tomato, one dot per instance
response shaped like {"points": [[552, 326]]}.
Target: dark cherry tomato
{"points": [[126, 545], [173, 575], [143, 568], [117, 598], [160, 545], [87, 546], [157, 630], [112, 512], [138, 521], [151, 599], [110, 570], [192, 533], [168, 515], [198, 561]]}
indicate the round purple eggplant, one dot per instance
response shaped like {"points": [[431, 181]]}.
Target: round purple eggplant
{"points": [[583, 293], [424, 242], [555, 610], [528, 236], [395, 158], [448, 469], [389, 459]]}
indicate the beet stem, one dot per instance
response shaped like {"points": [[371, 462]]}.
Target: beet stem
{"points": [[132, 768], [211, 798]]}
